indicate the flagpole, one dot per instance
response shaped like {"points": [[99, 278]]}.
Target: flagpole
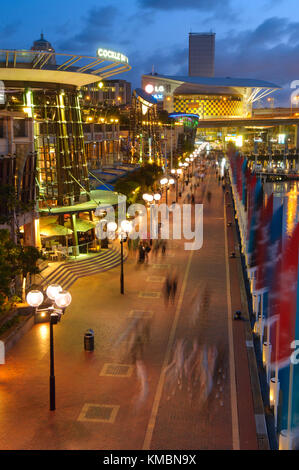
{"points": [[290, 405], [276, 372]]}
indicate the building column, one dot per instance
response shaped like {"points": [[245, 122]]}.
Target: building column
{"points": [[75, 235]]}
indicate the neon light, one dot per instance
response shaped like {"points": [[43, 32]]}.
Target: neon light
{"points": [[149, 88], [116, 56]]}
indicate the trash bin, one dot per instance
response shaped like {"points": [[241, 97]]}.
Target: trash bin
{"points": [[89, 340]]}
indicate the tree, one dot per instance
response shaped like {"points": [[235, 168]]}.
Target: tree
{"points": [[15, 260], [11, 206]]}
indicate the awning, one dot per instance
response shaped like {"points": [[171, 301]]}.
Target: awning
{"points": [[82, 225], [49, 219], [54, 230]]}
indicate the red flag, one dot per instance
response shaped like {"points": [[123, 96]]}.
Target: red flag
{"points": [[283, 299], [263, 242], [251, 192]]}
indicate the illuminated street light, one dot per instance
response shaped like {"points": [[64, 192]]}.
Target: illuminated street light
{"points": [[63, 299], [111, 226], [53, 290], [125, 229], [60, 299], [35, 298], [164, 181], [157, 197], [126, 226]]}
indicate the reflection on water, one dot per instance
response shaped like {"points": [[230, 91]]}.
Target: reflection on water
{"points": [[286, 193]]}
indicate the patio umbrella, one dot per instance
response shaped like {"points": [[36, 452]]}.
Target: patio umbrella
{"points": [[55, 230], [82, 225], [49, 219]]}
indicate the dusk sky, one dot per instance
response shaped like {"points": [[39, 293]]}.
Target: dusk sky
{"points": [[254, 39]]}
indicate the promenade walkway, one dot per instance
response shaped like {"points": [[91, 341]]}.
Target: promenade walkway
{"points": [[104, 399]]}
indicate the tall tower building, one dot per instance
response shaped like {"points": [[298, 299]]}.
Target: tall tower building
{"points": [[201, 54]]}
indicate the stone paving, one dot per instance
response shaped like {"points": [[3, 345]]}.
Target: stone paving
{"points": [[98, 394]]}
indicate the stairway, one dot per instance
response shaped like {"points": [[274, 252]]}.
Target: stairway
{"points": [[67, 273]]}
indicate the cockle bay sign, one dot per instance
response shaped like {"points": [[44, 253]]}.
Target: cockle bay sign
{"points": [[112, 55]]}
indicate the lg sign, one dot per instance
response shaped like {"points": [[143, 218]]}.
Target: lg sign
{"points": [[149, 88]]}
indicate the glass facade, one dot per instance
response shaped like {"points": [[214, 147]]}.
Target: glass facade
{"points": [[59, 141]]}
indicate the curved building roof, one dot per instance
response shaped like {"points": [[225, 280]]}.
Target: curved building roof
{"points": [[218, 81], [144, 96], [38, 66]]}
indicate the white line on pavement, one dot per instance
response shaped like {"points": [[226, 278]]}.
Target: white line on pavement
{"points": [[233, 388]]}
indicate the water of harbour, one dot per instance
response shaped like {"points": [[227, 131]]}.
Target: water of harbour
{"points": [[286, 193]]}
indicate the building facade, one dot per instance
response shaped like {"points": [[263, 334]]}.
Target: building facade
{"points": [[44, 152], [201, 54], [208, 97]]}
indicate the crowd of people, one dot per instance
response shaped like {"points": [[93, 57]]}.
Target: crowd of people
{"points": [[195, 367]]}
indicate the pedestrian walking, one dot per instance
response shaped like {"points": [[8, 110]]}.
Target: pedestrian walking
{"points": [[141, 254], [147, 249], [174, 285], [163, 247], [209, 196], [156, 247], [167, 289]]}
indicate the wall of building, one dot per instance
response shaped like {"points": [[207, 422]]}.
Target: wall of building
{"points": [[209, 107]]}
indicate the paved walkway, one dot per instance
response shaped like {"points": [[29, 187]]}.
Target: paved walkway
{"points": [[106, 401]]}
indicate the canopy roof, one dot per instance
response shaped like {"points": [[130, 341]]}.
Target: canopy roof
{"points": [[218, 81], [38, 66]]}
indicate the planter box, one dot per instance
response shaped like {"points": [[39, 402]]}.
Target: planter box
{"points": [[15, 333]]}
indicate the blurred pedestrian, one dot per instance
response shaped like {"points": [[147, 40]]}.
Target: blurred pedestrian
{"points": [[156, 247], [174, 285], [141, 253], [147, 249], [163, 247], [167, 289]]}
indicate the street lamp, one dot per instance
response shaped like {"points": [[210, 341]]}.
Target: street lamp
{"points": [[125, 229], [164, 182], [60, 299]]}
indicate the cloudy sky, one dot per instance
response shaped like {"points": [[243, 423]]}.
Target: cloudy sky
{"points": [[254, 39]]}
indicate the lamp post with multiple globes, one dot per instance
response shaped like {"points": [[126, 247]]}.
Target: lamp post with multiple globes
{"points": [[124, 230], [60, 299]]}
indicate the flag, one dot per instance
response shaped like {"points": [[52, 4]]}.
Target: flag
{"points": [[283, 301], [263, 243], [244, 181], [250, 200], [255, 224], [289, 384]]}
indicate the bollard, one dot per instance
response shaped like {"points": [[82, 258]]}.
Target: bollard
{"points": [[89, 340]]}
